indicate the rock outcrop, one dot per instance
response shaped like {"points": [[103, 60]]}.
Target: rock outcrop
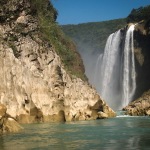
{"points": [[7, 123], [35, 87], [139, 107]]}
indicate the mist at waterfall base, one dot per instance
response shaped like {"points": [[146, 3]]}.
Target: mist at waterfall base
{"points": [[115, 76]]}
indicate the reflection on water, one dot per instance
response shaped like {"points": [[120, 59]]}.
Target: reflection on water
{"points": [[125, 133]]}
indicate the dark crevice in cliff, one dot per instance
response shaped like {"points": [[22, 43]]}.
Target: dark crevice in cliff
{"points": [[142, 53]]}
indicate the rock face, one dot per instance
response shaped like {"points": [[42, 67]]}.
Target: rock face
{"points": [[142, 55], [140, 107], [34, 84]]}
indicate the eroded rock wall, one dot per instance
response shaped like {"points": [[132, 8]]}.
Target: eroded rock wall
{"points": [[34, 85], [139, 107]]}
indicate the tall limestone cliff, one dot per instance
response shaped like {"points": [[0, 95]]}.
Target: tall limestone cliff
{"points": [[34, 84]]}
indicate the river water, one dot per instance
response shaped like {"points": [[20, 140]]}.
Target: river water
{"points": [[120, 133]]}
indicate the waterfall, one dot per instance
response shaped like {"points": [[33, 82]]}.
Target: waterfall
{"points": [[129, 74], [115, 70]]}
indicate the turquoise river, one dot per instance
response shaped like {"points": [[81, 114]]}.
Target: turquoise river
{"points": [[120, 133]]}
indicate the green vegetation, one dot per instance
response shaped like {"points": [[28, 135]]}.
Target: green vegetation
{"points": [[52, 33], [136, 15], [91, 37]]}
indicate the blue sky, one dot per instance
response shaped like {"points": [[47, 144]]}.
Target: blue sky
{"points": [[82, 11]]}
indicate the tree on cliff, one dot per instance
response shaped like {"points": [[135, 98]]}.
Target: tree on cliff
{"points": [[136, 15]]}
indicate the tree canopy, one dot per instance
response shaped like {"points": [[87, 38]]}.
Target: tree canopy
{"points": [[136, 15]]}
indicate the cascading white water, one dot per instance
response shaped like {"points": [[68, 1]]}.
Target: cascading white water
{"points": [[129, 74], [115, 70]]}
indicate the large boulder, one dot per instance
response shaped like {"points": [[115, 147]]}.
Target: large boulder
{"points": [[7, 123], [139, 107]]}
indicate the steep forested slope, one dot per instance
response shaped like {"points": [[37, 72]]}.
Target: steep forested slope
{"points": [[90, 39], [50, 31], [136, 15], [92, 36]]}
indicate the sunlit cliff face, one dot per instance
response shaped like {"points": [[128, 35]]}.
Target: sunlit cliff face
{"points": [[35, 87]]}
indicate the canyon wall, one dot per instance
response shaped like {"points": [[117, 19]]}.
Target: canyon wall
{"points": [[34, 84], [141, 104]]}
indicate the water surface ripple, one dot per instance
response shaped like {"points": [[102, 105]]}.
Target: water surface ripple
{"points": [[121, 133]]}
